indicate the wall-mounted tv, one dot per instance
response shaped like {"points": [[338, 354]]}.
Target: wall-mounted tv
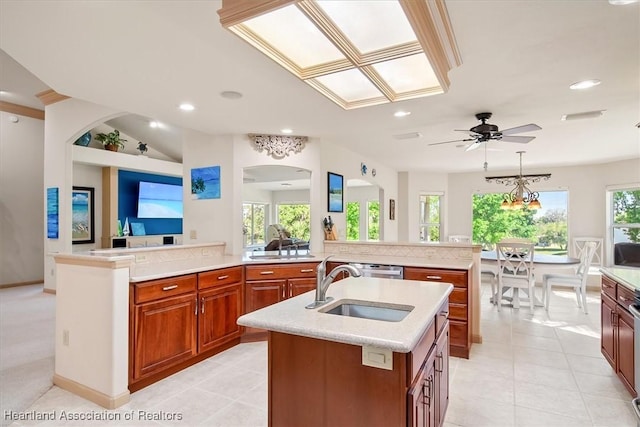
{"points": [[157, 200]]}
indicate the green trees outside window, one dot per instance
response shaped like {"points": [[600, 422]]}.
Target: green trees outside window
{"points": [[373, 220], [296, 219], [253, 224], [626, 216], [353, 221], [546, 227]]}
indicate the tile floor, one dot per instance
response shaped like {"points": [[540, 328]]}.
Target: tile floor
{"points": [[532, 370]]}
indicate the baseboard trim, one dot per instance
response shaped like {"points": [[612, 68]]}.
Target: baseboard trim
{"points": [[88, 393], [49, 291], [476, 338], [14, 285]]}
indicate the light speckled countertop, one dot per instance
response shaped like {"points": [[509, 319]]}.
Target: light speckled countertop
{"points": [[290, 316], [628, 277], [142, 272]]}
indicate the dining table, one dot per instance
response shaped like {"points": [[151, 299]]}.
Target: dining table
{"points": [[546, 261]]}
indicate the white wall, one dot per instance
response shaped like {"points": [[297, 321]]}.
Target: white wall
{"points": [[21, 199], [90, 176], [340, 160], [586, 186]]}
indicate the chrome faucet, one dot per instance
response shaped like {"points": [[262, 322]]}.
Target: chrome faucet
{"points": [[323, 281]]}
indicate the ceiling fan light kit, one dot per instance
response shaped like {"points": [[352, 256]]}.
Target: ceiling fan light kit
{"points": [[521, 196]]}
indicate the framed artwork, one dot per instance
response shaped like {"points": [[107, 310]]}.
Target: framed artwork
{"points": [[392, 209], [53, 213], [335, 192], [82, 215], [205, 183]]}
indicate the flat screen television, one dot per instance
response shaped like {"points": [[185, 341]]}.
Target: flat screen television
{"points": [[157, 200]]}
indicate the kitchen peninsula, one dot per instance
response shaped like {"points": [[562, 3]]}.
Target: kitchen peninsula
{"points": [[97, 301], [330, 369]]}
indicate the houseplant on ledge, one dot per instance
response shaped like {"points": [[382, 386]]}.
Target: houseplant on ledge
{"points": [[111, 140]]}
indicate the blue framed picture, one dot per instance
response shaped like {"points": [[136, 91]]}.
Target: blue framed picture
{"points": [[205, 183], [53, 213], [335, 199], [82, 215]]}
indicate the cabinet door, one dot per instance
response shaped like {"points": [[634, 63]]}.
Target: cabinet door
{"points": [[165, 334], [300, 286], [442, 375], [608, 338], [624, 323], [263, 293], [219, 311], [420, 396]]}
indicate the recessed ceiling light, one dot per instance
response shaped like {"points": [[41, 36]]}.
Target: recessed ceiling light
{"points": [[286, 130], [401, 113], [187, 107], [585, 84], [154, 124], [622, 2], [231, 94]]}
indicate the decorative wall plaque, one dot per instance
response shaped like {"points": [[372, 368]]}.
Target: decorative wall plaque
{"points": [[278, 146]]}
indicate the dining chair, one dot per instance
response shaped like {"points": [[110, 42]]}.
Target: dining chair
{"points": [[579, 246], [578, 280], [515, 270]]}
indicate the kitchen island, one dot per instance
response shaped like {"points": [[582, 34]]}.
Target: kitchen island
{"points": [[329, 369]]}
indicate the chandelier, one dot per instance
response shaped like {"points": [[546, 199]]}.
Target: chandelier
{"points": [[521, 195]]}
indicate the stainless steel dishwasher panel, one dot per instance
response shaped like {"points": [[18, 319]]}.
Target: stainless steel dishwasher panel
{"points": [[380, 270]]}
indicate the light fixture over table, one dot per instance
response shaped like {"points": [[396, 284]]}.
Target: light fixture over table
{"points": [[521, 195], [356, 53]]}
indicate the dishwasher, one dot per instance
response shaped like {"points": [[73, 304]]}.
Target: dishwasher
{"points": [[380, 270]]}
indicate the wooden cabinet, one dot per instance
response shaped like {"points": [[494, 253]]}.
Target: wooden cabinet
{"points": [[267, 284], [617, 329], [459, 304], [311, 379], [178, 321]]}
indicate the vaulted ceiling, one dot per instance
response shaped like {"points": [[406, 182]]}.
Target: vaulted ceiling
{"points": [[518, 60]]}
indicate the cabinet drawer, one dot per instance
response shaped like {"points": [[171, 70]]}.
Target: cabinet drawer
{"points": [[457, 311], [280, 271], [458, 296], [162, 288], [608, 287], [625, 296], [420, 351], [455, 277], [458, 333], [224, 276]]}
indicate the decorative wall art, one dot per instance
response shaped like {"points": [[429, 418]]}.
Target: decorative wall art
{"points": [[335, 192], [53, 213], [82, 215], [205, 183], [278, 146], [392, 209]]}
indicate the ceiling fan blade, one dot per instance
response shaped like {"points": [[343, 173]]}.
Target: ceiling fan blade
{"points": [[468, 132], [455, 140], [473, 146], [518, 139], [519, 129]]}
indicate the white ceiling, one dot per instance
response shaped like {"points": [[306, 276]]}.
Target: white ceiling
{"points": [[519, 58]]}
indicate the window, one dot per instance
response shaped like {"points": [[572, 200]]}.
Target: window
{"points": [[353, 221], [625, 226], [547, 226], [373, 220], [430, 217], [296, 219], [253, 224]]}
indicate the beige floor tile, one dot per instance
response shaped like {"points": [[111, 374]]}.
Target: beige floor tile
{"points": [[238, 415], [544, 375], [479, 412], [552, 359], [232, 383], [610, 412], [471, 384], [527, 417], [537, 342], [595, 365], [550, 399], [599, 385], [191, 407]]}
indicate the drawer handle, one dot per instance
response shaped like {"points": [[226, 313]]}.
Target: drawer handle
{"points": [[444, 313], [168, 288], [306, 270], [266, 272], [226, 276], [625, 299], [434, 277], [607, 286]]}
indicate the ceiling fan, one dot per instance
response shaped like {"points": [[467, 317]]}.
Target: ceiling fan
{"points": [[487, 132]]}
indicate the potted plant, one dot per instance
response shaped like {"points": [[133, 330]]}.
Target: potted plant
{"points": [[111, 140]]}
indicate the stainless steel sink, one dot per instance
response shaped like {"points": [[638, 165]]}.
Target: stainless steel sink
{"points": [[369, 310]]}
